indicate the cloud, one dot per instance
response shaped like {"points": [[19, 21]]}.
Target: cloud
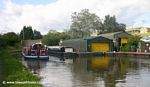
{"points": [[143, 21], [57, 15]]}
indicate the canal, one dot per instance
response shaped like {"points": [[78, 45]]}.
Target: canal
{"points": [[92, 72]]}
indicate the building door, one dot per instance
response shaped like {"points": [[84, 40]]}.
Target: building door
{"points": [[123, 41], [100, 47]]}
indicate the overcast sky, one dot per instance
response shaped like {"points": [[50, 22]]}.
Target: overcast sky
{"points": [[43, 15]]}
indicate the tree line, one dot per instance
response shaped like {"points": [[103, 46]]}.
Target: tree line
{"points": [[13, 39]]}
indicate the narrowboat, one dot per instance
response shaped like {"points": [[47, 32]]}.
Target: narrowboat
{"points": [[60, 49], [36, 51]]}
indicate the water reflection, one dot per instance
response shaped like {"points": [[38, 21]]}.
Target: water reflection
{"points": [[93, 72], [98, 64], [109, 72], [35, 66]]}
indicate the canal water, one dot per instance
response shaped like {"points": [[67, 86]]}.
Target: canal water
{"points": [[92, 72]]}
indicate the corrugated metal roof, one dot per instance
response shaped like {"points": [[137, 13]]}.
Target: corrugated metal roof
{"points": [[73, 39], [109, 35], [122, 34], [84, 38], [90, 37], [112, 35]]}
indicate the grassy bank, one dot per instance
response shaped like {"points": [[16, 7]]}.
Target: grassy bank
{"points": [[15, 74]]}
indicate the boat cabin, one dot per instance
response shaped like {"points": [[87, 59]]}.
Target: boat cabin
{"points": [[35, 50]]}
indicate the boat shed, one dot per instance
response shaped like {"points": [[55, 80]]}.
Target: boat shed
{"points": [[90, 44], [119, 38], [122, 38]]}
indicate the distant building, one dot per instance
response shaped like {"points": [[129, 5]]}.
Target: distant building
{"points": [[138, 31], [144, 45], [119, 38], [100, 43]]}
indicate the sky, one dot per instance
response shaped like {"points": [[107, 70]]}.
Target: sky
{"points": [[44, 15]]}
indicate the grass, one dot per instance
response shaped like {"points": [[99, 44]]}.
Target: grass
{"points": [[15, 71]]}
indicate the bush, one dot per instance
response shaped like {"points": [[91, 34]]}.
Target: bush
{"points": [[126, 48], [131, 45]]}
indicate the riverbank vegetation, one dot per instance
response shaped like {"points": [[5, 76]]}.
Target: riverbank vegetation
{"points": [[9, 39], [14, 73], [132, 44]]}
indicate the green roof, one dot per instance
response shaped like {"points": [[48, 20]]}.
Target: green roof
{"points": [[77, 39], [109, 35], [89, 37]]}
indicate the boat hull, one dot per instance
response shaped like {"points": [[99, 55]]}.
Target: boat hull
{"points": [[36, 57]]}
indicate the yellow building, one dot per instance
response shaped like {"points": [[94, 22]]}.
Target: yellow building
{"points": [[121, 38]]}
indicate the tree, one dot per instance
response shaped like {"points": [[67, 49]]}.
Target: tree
{"points": [[53, 37], [26, 33], [3, 42], [84, 23], [110, 25], [134, 40], [10, 38], [37, 35]]}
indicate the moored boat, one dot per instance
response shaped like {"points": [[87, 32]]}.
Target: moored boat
{"points": [[36, 51]]}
